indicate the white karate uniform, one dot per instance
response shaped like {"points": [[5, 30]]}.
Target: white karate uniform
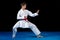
{"points": [[25, 23]]}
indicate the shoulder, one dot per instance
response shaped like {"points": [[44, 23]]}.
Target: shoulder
{"points": [[19, 10], [27, 10]]}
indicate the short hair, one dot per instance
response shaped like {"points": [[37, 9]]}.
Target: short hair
{"points": [[23, 3]]}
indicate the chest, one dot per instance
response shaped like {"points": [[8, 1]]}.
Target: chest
{"points": [[24, 13]]}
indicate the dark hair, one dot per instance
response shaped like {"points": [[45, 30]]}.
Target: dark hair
{"points": [[23, 3]]}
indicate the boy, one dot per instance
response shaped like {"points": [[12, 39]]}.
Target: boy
{"points": [[23, 21]]}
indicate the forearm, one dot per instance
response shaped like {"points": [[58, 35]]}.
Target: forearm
{"points": [[33, 15]]}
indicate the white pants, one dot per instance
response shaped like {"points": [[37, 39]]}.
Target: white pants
{"points": [[28, 25]]}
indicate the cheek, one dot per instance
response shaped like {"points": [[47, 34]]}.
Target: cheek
{"points": [[25, 6]]}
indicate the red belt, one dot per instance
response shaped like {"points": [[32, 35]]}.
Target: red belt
{"points": [[22, 19]]}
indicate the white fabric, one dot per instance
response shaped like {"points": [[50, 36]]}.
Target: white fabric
{"points": [[21, 14], [25, 24]]}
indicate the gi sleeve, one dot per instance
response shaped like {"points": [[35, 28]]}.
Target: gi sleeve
{"points": [[19, 16], [32, 14]]}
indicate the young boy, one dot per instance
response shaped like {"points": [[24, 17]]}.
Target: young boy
{"points": [[23, 21]]}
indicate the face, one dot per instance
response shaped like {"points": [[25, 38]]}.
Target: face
{"points": [[24, 6]]}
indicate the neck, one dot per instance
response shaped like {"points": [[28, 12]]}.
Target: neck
{"points": [[22, 8]]}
